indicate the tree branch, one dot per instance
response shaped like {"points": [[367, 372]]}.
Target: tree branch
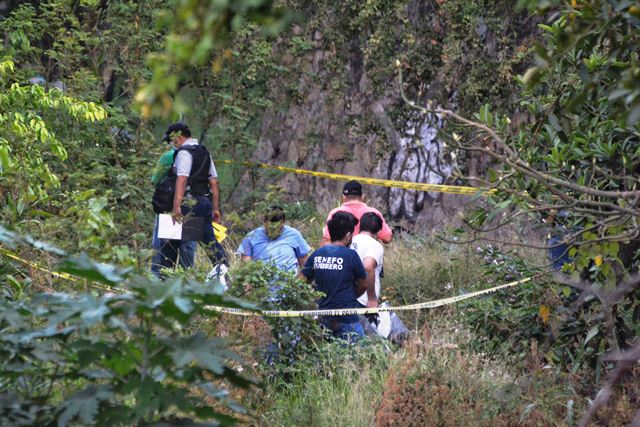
{"points": [[516, 163], [605, 393]]}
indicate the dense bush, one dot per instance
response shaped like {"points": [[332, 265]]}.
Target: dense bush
{"points": [[539, 319], [129, 356], [274, 289]]}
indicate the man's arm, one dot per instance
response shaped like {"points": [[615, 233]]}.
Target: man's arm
{"points": [[181, 185], [307, 270], [326, 238], [368, 284], [325, 235], [245, 258], [385, 235], [386, 239], [215, 199], [301, 263]]}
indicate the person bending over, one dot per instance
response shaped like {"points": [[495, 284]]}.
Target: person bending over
{"points": [[353, 202], [371, 253]]}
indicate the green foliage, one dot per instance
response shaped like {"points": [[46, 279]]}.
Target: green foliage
{"points": [[583, 128], [74, 171], [30, 118], [127, 357], [461, 51], [532, 315], [274, 289], [573, 162], [483, 46], [199, 32], [598, 44], [83, 45], [506, 323]]}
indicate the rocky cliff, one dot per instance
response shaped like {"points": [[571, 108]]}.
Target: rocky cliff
{"points": [[347, 116]]}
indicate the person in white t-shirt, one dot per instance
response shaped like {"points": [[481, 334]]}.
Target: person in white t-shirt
{"points": [[371, 253]]}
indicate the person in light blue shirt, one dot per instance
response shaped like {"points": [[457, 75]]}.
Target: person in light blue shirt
{"points": [[276, 242]]}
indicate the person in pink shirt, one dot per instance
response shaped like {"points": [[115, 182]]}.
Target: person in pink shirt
{"points": [[352, 202]]}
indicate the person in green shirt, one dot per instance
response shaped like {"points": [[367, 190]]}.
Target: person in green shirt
{"points": [[162, 167], [187, 249]]}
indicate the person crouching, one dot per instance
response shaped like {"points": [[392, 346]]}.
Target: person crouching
{"points": [[337, 271]]}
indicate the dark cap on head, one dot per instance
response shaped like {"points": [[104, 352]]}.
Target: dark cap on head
{"points": [[179, 127], [352, 188]]}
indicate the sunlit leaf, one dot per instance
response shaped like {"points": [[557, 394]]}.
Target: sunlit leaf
{"points": [[544, 313], [592, 333]]}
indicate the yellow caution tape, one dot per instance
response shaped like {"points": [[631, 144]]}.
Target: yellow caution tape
{"points": [[61, 275], [421, 186], [303, 313], [347, 311]]}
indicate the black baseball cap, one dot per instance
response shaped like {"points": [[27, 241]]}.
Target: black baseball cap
{"points": [[352, 188], [178, 127]]}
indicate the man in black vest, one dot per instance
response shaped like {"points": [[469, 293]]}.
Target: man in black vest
{"points": [[197, 193]]}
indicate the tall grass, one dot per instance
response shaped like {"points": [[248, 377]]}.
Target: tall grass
{"points": [[417, 269], [433, 381], [339, 386]]}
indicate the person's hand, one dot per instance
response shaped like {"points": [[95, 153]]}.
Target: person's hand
{"points": [[216, 216], [373, 318], [176, 215]]}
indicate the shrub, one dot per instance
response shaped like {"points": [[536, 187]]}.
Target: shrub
{"points": [[508, 323], [119, 359], [275, 289]]}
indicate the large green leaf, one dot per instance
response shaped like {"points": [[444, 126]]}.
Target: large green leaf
{"points": [[209, 354], [84, 405], [85, 267], [12, 239]]}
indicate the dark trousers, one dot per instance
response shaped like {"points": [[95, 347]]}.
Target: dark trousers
{"points": [[201, 209]]}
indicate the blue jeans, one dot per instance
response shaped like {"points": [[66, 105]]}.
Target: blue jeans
{"points": [[560, 254], [201, 209], [351, 332], [187, 252]]}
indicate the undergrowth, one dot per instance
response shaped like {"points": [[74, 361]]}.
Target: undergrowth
{"points": [[436, 382], [338, 385], [483, 362]]}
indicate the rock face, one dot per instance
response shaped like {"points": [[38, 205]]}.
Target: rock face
{"points": [[345, 120], [415, 154]]}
